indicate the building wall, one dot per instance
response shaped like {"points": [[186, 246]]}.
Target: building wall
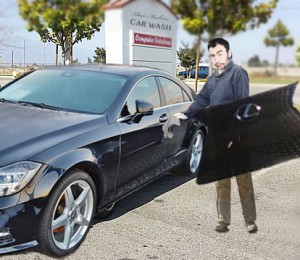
{"points": [[142, 32], [114, 36]]}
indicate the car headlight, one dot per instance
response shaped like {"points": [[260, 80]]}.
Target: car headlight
{"points": [[14, 177]]}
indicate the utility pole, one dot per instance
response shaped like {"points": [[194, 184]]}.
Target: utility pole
{"points": [[44, 54], [56, 54], [24, 56], [12, 59]]}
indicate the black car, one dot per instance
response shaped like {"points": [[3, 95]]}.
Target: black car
{"points": [[76, 139]]}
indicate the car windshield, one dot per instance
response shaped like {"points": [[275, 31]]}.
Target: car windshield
{"points": [[67, 89]]}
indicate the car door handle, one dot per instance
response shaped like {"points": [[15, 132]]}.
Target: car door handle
{"points": [[248, 112], [163, 118]]}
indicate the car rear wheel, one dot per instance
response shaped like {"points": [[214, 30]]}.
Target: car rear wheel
{"points": [[192, 162], [67, 216]]}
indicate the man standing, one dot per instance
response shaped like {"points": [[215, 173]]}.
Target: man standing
{"points": [[228, 83]]}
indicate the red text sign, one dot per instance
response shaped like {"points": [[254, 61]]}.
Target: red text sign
{"points": [[152, 40]]}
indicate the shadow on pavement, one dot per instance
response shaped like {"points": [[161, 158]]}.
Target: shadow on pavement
{"points": [[146, 194]]}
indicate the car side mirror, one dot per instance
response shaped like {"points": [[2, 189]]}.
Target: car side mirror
{"points": [[143, 108]]}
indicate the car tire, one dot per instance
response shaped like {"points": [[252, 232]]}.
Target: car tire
{"points": [[106, 212], [190, 166], [66, 219]]}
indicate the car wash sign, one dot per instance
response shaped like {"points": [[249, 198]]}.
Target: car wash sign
{"points": [[152, 21], [141, 32]]}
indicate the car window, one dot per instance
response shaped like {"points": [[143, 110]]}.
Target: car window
{"points": [[173, 92], [146, 90], [70, 89]]}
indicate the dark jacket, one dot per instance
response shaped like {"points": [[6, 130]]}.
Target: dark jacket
{"points": [[231, 85]]}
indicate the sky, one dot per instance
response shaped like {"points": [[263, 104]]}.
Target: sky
{"points": [[19, 45]]}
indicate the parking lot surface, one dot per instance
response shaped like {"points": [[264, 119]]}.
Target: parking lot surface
{"points": [[174, 218]]}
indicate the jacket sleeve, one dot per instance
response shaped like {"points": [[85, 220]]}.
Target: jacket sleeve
{"points": [[202, 99], [240, 84]]}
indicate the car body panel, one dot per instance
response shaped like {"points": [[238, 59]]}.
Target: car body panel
{"points": [[177, 129], [250, 134], [144, 145]]}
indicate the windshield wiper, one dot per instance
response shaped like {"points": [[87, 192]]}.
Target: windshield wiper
{"points": [[7, 101], [36, 104]]}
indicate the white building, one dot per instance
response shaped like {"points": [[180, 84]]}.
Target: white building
{"points": [[141, 32]]}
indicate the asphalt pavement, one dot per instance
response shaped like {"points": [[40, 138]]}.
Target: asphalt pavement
{"points": [[174, 218], [5, 79]]}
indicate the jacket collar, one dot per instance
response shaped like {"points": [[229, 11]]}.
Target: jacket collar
{"points": [[228, 66]]}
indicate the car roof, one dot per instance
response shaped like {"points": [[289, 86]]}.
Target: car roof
{"points": [[125, 70]]}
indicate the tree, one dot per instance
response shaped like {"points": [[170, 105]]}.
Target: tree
{"points": [[63, 22], [100, 55], [254, 61], [278, 35], [187, 57], [298, 54], [220, 17], [265, 63], [76, 61]]}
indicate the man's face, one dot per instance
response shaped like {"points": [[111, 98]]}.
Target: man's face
{"points": [[218, 56]]}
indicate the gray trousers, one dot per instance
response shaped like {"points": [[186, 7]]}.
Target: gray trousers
{"points": [[245, 187]]}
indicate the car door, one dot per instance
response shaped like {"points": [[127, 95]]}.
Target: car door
{"points": [[177, 102], [250, 134], [143, 144]]}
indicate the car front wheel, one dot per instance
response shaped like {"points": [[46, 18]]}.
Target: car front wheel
{"points": [[192, 162], [67, 216]]}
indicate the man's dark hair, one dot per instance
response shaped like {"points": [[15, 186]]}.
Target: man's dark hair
{"points": [[213, 43]]}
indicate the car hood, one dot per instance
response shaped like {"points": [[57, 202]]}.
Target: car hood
{"points": [[26, 131]]}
